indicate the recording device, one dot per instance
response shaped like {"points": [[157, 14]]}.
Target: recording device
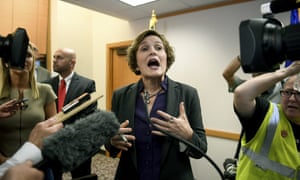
{"points": [[76, 102], [79, 141], [230, 166], [265, 43], [21, 103], [77, 105], [13, 48], [123, 137]]}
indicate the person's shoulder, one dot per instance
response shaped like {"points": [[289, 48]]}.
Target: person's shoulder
{"points": [[43, 86], [40, 68], [50, 80], [126, 88], [81, 77]]}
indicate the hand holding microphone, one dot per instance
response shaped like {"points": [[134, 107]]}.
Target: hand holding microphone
{"points": [[75, 143], [42, 130], [23, 171], [31, 150]]}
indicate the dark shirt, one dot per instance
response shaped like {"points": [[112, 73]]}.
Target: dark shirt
{"points": [[251, 125], [148, 146]]}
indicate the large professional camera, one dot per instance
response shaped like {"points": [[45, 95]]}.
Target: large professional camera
{"points": [[13, 48], [265, 43]]}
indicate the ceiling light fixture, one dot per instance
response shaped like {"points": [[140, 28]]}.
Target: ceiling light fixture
{"points": [[136, 2]]}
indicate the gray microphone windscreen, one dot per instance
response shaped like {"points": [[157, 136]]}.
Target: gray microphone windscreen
{"points": [[79, 141]]}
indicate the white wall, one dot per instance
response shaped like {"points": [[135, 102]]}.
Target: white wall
{"points": [[87, 32], [204, 42]]}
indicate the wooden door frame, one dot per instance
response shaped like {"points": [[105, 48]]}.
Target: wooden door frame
{"points": [[109, 68]]}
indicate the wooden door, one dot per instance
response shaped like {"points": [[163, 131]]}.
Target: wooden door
{"points": [[118, 72]]}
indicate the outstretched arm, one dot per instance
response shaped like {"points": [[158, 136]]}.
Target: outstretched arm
{"points": [[23, 171], [245, 94], [230, 70]]}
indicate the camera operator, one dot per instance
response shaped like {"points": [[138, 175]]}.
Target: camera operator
{"points": [[271, 142], [233, 81]]}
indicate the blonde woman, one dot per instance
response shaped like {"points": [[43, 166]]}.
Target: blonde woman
{"points": [[39, 104]]}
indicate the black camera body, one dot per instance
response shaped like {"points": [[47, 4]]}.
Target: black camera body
{"points": [[265, 43], [13, 48]]}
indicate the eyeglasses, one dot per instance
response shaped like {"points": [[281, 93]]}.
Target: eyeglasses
{"points": [[289, 93]]}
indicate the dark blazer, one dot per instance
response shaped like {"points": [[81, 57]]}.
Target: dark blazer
{"points": [[78, 86], [174, 164]]}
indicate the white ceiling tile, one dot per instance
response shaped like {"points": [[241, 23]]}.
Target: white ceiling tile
{"points": [[121, 10]]}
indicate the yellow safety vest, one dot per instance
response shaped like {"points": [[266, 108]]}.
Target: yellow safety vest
{"points": [[272, 153]]}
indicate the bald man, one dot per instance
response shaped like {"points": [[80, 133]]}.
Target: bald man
{"points": [[64, 61]]}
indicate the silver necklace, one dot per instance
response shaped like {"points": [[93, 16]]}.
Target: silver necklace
{"points": [[148, 96]]}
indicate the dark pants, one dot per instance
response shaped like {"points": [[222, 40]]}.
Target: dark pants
{"points": [[48, 173], [82, 170]]}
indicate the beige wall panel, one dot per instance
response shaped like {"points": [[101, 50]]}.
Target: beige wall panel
{"points": [[6, 12], [41, 41], [42, 25], [27, 21]]}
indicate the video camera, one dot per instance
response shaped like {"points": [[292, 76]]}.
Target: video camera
{"points": [[13, 48], [265, 43]]}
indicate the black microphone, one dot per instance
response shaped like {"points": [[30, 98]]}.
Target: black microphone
{"points": [[79, 141], [189, 144], [278, 6]]}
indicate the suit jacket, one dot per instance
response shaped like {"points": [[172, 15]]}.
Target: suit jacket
{"points": [[42, 74], [174, 164], [78, 86]]}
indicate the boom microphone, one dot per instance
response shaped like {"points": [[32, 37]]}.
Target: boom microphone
{"points": [[79, 141], [278, 6]]}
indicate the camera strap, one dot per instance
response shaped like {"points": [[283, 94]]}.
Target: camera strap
{"points": [[238, 148]]}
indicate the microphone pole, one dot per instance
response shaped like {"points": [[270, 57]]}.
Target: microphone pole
{"points": [[188, 143]]}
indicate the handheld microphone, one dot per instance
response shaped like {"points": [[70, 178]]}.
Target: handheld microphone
{"points": [[278, 6], [79, 141]]}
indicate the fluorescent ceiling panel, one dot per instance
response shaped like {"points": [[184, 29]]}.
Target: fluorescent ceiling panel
{"points": [[136, 2]]}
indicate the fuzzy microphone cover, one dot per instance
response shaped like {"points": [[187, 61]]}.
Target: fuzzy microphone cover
{"points": [[80, 140]]}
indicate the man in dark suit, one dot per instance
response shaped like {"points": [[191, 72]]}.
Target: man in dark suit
{"points": [[63, 63]]}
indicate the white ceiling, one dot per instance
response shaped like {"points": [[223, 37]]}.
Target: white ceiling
{"points": [[121, 10]]}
